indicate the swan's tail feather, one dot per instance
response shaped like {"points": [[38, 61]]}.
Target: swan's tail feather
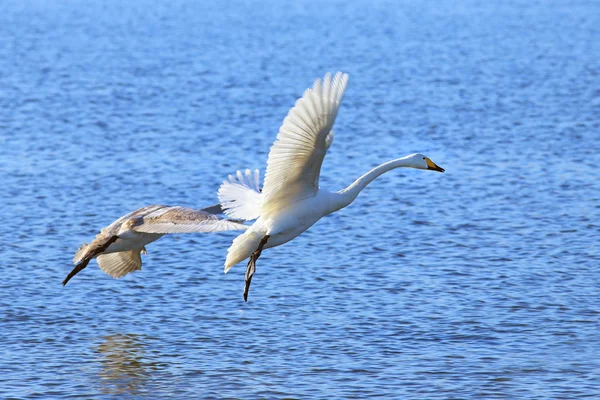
{"points": [[240, 197], [242, 247]]}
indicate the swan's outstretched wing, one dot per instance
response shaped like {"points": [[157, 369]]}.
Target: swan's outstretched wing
{"points": [[120, 264], [295, 158], [182, 220]]}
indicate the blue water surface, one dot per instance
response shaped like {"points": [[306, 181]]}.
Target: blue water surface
{"points": [[481, 282]]}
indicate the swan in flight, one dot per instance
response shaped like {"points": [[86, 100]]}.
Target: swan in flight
{"points": [[291, 200], [117, 247]]}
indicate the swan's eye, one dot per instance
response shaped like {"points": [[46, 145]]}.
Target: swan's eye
{"points": [[424, 158]]}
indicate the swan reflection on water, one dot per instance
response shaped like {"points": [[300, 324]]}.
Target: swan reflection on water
{"points": [[125, 364]]}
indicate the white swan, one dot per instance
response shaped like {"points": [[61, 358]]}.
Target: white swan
{"points": [[291, 200], [117, 247]]}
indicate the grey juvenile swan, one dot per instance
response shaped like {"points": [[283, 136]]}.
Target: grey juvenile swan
{"points": [[117, 247]]}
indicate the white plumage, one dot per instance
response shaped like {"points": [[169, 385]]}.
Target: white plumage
{"points": [[240, 196], [295, 159], [291, 200]]}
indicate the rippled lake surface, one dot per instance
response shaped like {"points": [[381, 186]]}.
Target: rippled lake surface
{"points": [[481, 282]]}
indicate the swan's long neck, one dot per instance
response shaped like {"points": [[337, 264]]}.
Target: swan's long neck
{"points": [[347, 196]]}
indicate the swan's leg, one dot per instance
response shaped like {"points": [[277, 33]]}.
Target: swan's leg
{"points": [[83, 263], [252, 265]]}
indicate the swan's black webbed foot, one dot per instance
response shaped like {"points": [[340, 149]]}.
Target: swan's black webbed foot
{"points": [[252, 265]]}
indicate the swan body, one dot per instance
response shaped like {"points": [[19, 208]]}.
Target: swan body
{"points": [[291, 200], [280, 225], [117, 247]]}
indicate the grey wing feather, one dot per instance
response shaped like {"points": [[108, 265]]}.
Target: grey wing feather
{"points": [[182, 220], [80, 253], [139, 213], [120, 264], [107, 233]]}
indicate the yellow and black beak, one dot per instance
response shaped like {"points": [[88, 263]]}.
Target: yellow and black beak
{"points": [[433, 166]]}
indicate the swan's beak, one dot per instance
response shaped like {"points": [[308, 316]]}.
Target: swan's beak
{"points": [[433, 166]]}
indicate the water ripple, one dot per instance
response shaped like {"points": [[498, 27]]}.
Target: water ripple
{"points": [[480, 282]]}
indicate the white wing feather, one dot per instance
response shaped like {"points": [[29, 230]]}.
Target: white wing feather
{"points": [[295, 159], [240, 197]]}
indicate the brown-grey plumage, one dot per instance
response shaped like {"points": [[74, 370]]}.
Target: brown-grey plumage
{"points": [[117, 247]]}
